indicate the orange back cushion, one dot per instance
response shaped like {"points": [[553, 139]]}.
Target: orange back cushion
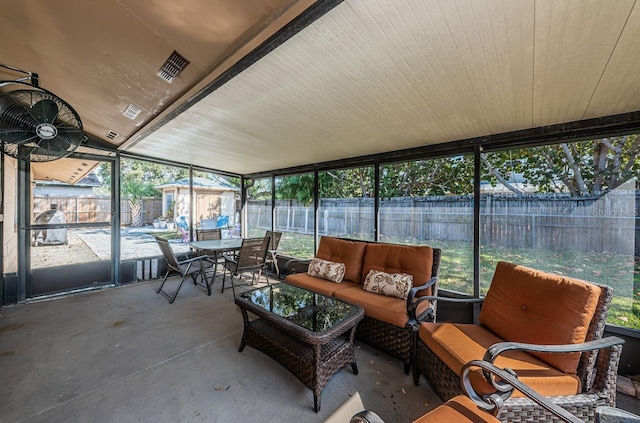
{"points": [[527, 305], [348, 252], [390, 258]]}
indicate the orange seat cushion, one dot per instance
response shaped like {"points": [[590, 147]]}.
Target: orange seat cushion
{"points": [[457, 344], [457, 409], [389, 258], [321, 286], [380, 307], [527, 305], [341, 251]]}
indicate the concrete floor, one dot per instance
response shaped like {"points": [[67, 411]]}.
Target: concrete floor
{"points": [[126, 355]]}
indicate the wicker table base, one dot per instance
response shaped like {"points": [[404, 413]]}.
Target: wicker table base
{"points": [[299, 357], [313, 357]]}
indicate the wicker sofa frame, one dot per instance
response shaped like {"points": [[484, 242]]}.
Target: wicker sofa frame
{"points": [[391, 339], [597, 369]]}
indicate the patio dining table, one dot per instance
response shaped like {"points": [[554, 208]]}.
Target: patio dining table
{"points": [[214, 249]]}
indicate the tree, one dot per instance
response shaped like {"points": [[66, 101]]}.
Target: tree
{"points": [[135, 191], [137, 181], [444, 176], [586, 168]]}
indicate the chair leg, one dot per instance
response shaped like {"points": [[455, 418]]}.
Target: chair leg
{"points": [[171, 297], [166, 275], [175, 294], [274, 257], [233, 287], [224, 276]]}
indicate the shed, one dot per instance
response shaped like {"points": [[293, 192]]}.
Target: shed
{"points": [[212, 197]]}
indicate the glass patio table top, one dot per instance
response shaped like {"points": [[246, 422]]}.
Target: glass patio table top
{"points": [[309, 310]]}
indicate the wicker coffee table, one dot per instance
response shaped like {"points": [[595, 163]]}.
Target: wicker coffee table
{"points": [[309, 334]]}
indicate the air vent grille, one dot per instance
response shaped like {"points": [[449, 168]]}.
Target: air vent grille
{"points": [[174, 65], [112, 135], [132, 111]]}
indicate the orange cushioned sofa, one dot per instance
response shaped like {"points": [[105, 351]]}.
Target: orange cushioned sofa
{"points": [[554, 327], [388, 321]]}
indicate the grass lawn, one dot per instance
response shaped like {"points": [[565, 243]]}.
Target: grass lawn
{"points": [[456, 268]]}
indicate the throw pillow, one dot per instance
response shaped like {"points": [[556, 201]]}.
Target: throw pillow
{"points": [[328, 270], [390, 284]]}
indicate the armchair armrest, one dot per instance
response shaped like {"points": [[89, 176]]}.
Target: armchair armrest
{"points": [[192, 259], [230, 258], [438, 298], [411, 298], [605, 376], [496, 349], [292, 266], [492, 403], [366, 417]]}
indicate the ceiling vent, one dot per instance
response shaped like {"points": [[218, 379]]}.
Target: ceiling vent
{"points": [[132, 111], [112, 135], [173, 67]]}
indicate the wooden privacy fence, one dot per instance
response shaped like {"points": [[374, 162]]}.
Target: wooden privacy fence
{"points": [[95, 209], [548, 222]]}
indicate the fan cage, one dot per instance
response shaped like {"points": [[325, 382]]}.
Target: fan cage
{"points": [[38, 126]]}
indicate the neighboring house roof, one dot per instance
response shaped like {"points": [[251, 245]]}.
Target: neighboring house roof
{"points": [[515, 179], [215, 182], [91, 180]]}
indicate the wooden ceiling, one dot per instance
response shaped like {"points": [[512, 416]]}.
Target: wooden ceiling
{"points": [[102, 56], [367, 77]]}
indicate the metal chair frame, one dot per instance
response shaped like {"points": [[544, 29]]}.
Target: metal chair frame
{"points": [[272, 256], [250, 258], [214, 256], [189, 267]]}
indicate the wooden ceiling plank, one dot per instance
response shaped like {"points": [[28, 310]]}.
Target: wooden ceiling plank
{"points": [[570, 56], [615, 94]]}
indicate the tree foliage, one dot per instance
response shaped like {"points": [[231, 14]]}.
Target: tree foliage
{"points": [[586, 168], [138, 180]]}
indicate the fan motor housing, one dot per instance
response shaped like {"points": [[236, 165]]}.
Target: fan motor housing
{"points": [[46, 131]]}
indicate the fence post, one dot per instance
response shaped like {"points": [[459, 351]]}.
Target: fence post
{"points": [[326, 221], [533, 231]]}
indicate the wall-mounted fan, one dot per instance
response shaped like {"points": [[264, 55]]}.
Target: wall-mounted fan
{"points": [[36, 125]]}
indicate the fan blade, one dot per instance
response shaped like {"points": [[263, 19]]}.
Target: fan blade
{"points": [[16, 118], [45, 111], [16, 137]]}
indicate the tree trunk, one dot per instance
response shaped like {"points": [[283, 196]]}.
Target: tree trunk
{"points": [[136, 213], [499, 176]]}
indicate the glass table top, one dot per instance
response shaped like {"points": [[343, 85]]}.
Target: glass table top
{"points": [[312, 311]]}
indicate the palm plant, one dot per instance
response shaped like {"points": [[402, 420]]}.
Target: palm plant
{"points": [[135, 191]]}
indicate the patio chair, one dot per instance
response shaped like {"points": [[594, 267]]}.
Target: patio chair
{"points": [[477, 408], [210, 234], [272, 257], [251, 258], [190, 267], [550, 328]]}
